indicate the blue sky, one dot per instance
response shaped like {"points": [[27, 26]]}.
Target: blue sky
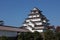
{"points": [[14, 12]]}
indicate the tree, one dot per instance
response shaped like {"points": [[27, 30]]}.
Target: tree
{"points": [[37, 36], [3, 38], [30, 36], [20, 36], [25, 36], [58, 35], [49, 35]]}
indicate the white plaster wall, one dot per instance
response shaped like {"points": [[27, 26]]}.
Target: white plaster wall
{"points": [[44, 21], [8, 33], [30, 16], [39, 30], [37, 12], [38, 15], [31, 24], [39, 23], [29, 28], [24, 24], [34, 16], [27, 20], [35, 19]]}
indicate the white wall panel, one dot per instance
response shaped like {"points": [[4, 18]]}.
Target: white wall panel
{"points": [[27, 20], [37, 12], [8, 33], [34, 16], [39, 30], [30, 16], [44, 21], [24, 25], [40, 23], [29, 28], [35, 19], [38, 15]]}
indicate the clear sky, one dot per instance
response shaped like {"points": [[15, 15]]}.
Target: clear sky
{"points": [[14, 12]]}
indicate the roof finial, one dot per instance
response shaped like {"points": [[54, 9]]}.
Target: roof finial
{"points": [[35, 8]]}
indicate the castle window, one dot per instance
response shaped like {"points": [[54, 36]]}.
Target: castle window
{"points": [[34, 16], [37, 12], [27, 20], [44, 20], [32, 12], [37, 15]]}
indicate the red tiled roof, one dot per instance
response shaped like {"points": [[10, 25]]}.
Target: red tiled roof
{"points": [[58, 29], [50, 27]]}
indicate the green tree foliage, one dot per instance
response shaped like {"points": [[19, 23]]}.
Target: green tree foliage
{"points": [[37, 36], [3, 38], [20, 37], [30, 36], [58, 35], [25, 36], [49, 35]]}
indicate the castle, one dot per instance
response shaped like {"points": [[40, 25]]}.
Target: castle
{"points": [[36, 21]]}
